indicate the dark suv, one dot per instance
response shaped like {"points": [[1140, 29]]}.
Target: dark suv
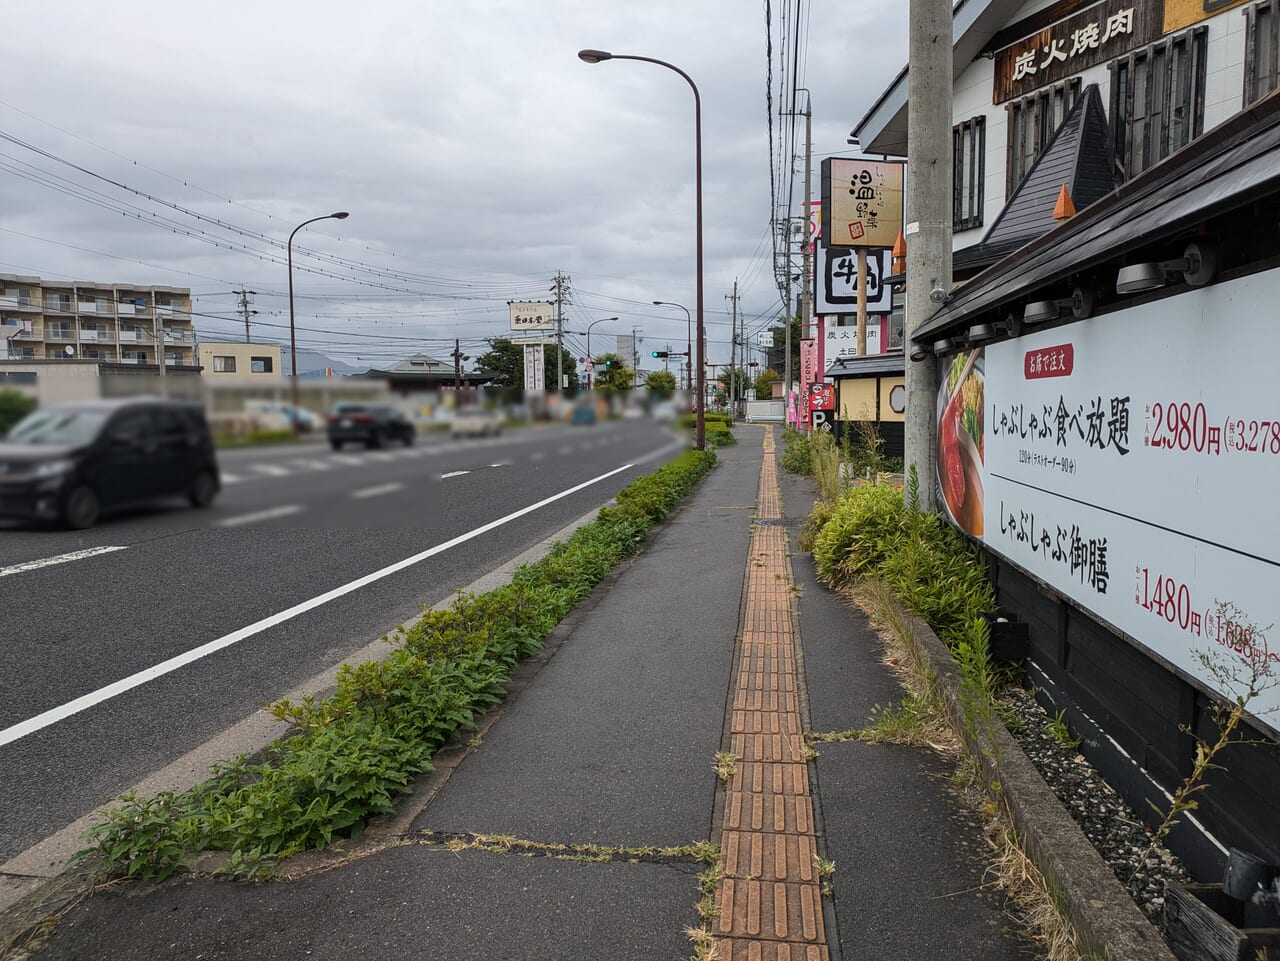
{"points": [[72, 462], [369, 424]]}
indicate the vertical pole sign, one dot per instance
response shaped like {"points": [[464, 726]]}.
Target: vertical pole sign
{"points": [[861, 208]]}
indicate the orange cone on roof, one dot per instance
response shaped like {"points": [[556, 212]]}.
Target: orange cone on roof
{"points": [[1064, 209]]}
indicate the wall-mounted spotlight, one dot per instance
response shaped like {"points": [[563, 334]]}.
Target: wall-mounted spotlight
{"points": [[1039, 311], [920, 352], [940, 296], [1198, 264], [1013, 325], [943, 345], [980, 332], [1080, 303]]}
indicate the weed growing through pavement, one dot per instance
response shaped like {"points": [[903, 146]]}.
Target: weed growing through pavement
{"points": [[725, 765]]}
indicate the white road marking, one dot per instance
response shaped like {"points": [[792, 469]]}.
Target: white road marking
{"points": [[60, 559], [63, 711], [271, 469], [256, 516], [566, 450], [376, 491], [313, 464], [456, 473], [231, 478], [383, 456], [501, 464], [348, 459]]}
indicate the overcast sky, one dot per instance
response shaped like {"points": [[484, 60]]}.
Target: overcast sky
{"points": [[477, 155]]}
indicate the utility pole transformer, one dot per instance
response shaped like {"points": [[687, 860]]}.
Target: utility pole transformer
{"points": [[928, 229], [559, 286], [243, 304]]}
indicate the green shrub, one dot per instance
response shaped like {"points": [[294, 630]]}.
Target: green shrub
{"points": [[254, 437], [690, 421], [351, 753], [719, 435], [796, 451], [929, 565], [14, 405]]}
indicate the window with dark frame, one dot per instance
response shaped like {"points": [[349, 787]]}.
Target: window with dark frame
{"points": [[260, 365], [968, 147], [1157, 100], [1032, 121], [224, 365], [1261, 43]]}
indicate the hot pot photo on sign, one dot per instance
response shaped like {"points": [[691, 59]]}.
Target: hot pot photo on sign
{"points": [[960, 444]]}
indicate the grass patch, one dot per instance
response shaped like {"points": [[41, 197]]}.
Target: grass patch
{"points": [[255, 438], [352, 753]]}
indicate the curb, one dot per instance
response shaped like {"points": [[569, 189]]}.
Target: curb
{"points": [[1100, 910]]}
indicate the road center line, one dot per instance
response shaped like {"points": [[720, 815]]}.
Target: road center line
{"points": [[376, 491], [60, 713], [60, 559], [456, 473], [268, 514]]}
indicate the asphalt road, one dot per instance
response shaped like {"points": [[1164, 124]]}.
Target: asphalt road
{"points": [[306, 556]]}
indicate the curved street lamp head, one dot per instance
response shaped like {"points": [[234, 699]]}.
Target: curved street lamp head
{"points": [[594, 56], [340, 215]]}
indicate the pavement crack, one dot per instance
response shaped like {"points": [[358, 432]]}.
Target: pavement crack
{"points": [[694, 854]]}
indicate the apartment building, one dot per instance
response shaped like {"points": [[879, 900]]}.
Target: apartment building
{"points": [[110, 323]]}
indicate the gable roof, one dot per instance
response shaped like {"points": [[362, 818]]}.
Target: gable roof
{"points": [[1078, 156]]}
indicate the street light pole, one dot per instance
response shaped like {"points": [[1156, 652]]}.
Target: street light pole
{"points": [[688, 355], [596, 56], [293, 337], [591, 360]]}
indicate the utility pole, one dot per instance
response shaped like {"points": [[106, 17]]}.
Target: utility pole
{"points": [[807, 235], [243, 305], [928, 229], [560, 286], [457, 365], [733, 351], [635, 355]]}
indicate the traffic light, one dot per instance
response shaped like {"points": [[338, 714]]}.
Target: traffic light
{"points": [[660, 353], [608, 361]]}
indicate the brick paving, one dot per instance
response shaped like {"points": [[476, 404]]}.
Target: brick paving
{"points": [[770, 895]]}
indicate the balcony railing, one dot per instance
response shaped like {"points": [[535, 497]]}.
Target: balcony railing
{"points": [[179, 337], [97, 306], [12, 300], [57, 305], [59, 333], [127, 308], [128, 336]]}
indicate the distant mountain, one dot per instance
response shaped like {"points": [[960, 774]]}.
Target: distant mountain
{"points": [[312, 363]]}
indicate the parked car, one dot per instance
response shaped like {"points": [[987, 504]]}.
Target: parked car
{"points": [[583, 415], [73, 462], [475, 422], [369, 424]]}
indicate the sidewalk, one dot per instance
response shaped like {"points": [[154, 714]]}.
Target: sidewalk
{"points": [[697, 646]]}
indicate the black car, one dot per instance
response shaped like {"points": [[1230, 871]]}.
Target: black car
{"points": [[369, 424], [72, 462]]}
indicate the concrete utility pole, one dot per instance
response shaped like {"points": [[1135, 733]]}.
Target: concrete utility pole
{"points": [[733, 352], [243, 305], [928, 229], [560, 285], [806, 291]]}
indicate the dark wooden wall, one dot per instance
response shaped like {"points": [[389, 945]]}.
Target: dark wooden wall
{"points": [[1129, 710]]}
